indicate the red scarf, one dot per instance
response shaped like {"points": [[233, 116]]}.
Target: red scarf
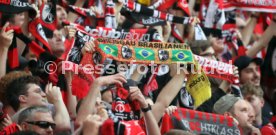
{"points": [[122, 107], [217, 67], [199, 122], [38, 51], [13, 128], [82, 78], [13, 60], [133, 127], [35, 28]]}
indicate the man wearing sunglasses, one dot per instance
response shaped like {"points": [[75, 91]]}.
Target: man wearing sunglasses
{"points": [[38, 119]]}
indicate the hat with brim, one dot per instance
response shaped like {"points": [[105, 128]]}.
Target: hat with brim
{"points": [[17, 6]]}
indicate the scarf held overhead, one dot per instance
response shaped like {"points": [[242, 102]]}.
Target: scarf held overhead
{"points": [[142, 19], [199, 122], [249, 5], [145, 35], [146, 52], [161, 53], [138, 8]]}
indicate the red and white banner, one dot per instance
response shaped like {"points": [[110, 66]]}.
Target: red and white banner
{"points": [[251, 5], [217, 69]]}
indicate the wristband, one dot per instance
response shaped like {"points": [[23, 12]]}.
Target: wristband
{"points": [[146, 109]]}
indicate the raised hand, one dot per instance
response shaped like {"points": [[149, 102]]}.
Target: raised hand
{"points": [[194, 21], [136, 94], [112, 79], [91, 125], [53, 93], [171, 109], [70, 31], [88, 47], [6, 36]]}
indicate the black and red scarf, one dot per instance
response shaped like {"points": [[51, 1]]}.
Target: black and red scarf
{"points": [[138, 8], [36, 29], [142, 19], [132, 127], [199, 122], [40, 53], [122, 107]]}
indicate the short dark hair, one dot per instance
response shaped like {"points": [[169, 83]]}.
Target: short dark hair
{"points": [[19, 87], [6, 80]]}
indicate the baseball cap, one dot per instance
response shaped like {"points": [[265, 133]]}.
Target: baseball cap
{"points": [[243, 61], [16, 6], [225, 103]]}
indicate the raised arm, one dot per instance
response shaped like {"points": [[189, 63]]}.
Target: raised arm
{"points": [[167, 94], [151, 123], [88, 105], [191, 29], [71, 99], [248, 29], [5, 42], [264, 40], [62, 118]]}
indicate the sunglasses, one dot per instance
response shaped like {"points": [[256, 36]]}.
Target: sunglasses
{"points": [[42, 124]]}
